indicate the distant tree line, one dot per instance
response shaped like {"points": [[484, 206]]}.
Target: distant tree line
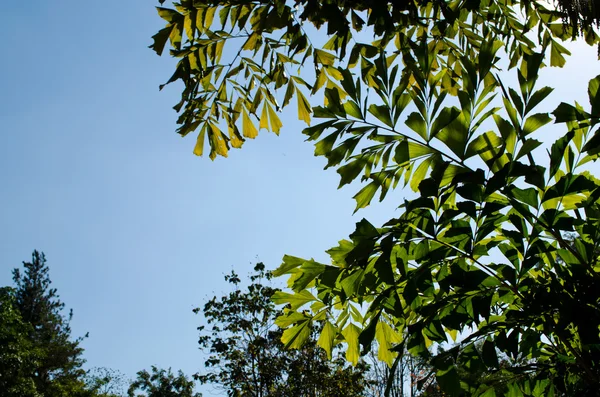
{"points": [[241, 336], [40, 358]]}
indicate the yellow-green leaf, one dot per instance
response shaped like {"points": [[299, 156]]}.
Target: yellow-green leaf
{"points": [[188, 25], [274, 119], [200, 20], [252, 42], [218, 143], [415, 122], [304, 108], [289, 318], [295, 300], [420, 173], [168, 14], [295, 336], [175, 35], [350, 334], [485, 142], [199, 148], [264, 118], [324, 58], [208, 17], [453, 333], [327, 337], [556, 54], [385, 336], [248, 128], [365, 195], [235, 138]]}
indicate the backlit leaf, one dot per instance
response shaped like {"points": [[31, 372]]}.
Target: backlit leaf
{"points": [[351, 333]]}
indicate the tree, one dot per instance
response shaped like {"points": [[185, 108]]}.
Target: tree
{"points": [[248, 358], [58, 361], [426, 100], [162, 383], [17, 355], [105, 382]]}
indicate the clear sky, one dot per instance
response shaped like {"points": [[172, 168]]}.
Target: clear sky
{"points": [[137, 230]]}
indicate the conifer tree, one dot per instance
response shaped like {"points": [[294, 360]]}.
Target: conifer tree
{"points": [[58, 370]]}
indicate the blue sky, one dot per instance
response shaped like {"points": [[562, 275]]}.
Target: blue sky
{"points": [[137, 230]]}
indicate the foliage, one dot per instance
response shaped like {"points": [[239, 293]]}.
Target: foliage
{"points": [[58, 360], [247, 357], [240, 63], [481, 248], [105, 382], [17, 355], [162, 383]]}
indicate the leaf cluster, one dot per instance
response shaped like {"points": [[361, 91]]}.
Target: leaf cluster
{"points": [[498, 248]]}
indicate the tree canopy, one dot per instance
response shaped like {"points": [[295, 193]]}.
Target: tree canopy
{"points": [[17, 354], [248, 358], [499, 243], [57, 369], [162, 383]]}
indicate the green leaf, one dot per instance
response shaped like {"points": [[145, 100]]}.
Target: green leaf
{"points": [[351, 333], [199, 148], [565, 112], [529, 146], [324, 57], [327, 337], [386, 337], [308, 272], [169, 14], [351, 170], [557, 152], [351, 283], [528, 196], [556, 54], [296, 336], [352, 109], [175, 36], [570, 184], [488, 393], [289, 318], [415, 122], [365, 195], [304, 108], [296, 300], [160, 39], [485, 142], [189, 25], [382, 113], [593, 94], [593, 145], [535, 121], [420, 173], [289, 263], [446, 116], [514, 390], [537, 97], [508, 133], [455, 135], [516, 99]]}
